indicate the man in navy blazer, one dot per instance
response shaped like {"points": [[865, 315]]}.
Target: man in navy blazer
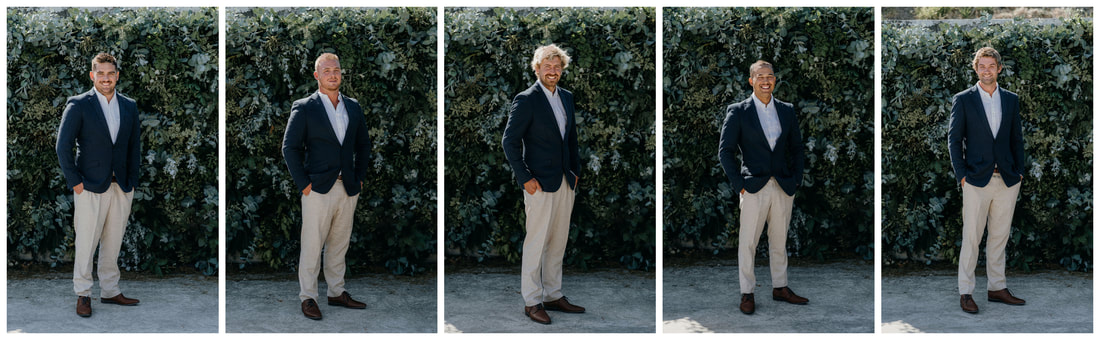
{"points": [[104, 129], [987, 153], [540, 142], [327, 150], [766, 132]]}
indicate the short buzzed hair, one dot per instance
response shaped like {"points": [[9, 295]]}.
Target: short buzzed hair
{"points": [[987, 52], [103, 57], [322, 57], [549, 52], [759, 64]]}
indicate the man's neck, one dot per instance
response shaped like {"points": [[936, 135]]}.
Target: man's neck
{"points": [[333, 96], [109, 96], [548, 88], [765, 99], [988, 88]]}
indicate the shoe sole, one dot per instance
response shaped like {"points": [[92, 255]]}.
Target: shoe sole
{"points": [[564, 311], [109, 302], [748, 313], [313, 318], [1007, 303], [785, 300], [345, 306], [971, 312], [84, 315]]}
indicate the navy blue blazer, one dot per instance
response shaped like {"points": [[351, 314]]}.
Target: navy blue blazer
{"points": [[96, 156], [314, 154], [970, 131], [534, 145], [741, 130]]}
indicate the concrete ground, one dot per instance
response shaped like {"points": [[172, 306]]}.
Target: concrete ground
{"points": [[928, 302], [487, 300], [45, 303], [258, 303], [704, 298]]}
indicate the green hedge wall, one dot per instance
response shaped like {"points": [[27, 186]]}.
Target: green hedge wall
{"points": [[389, 59], [1050, 67], [612, 78], [824, 58], [168, 61]]}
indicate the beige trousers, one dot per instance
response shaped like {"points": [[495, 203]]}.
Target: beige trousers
{"points": [[990, 206], [326, 222], [548, 216], [772, 205], [99, 220]]}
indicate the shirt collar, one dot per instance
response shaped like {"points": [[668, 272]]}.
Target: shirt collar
{"points": [[547, 92], [770, 105], [328, 103], [102, 98], [996, 90]]}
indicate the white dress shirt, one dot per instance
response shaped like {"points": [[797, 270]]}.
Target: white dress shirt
{"points": [[110, 113], [555, 104], [769, 120], [992, 106], [338, 115]]}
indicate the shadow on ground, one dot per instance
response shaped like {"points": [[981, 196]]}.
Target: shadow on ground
{"points": [[45, 303], [487, 300], [927, 301], [260, 303], [704, 298]]}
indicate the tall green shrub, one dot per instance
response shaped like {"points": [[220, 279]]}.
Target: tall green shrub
{"points": [[169, 65], [612, 78], [389, 61], [1049, 64], [824, 58]]}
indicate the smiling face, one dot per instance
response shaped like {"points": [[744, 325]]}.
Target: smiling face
{"points": [[105, 77], [328, 75], [763, 82], [549, 72], [987, 69]]}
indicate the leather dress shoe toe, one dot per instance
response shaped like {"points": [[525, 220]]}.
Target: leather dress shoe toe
{"points": [[310, 309], [84, 306], [537, 313], [748, 304], [120, 300], [346, 301], [563, 305], [786, 294], [1005, 296], [967, 303]]}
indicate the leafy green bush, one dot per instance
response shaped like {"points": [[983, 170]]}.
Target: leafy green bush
{"points": [[612, 79], [389, 61], [824, 61], [168, 61], [1050, 67]]}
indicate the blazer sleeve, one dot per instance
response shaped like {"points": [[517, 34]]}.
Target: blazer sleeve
{"points": [[574, 150], [71, 122], [957, 124], [1017, 138], [133, 159], [519, 119], [796, 148], [294, 146], [362, 148], [727, 147]]}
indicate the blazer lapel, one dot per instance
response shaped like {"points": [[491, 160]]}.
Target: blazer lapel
{"points": [[99, 118], [318, 98], [1004, 113], [976, 101], [125, 118], [754, 121], [547, 111]]}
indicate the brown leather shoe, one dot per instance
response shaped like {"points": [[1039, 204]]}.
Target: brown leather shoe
{"points": [[1005, 296], [786, 294], [748, 304], [346, 301], [537, 313], [120, 300], [84, 306], [563, 305], [310, 309], [968, 305]]}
